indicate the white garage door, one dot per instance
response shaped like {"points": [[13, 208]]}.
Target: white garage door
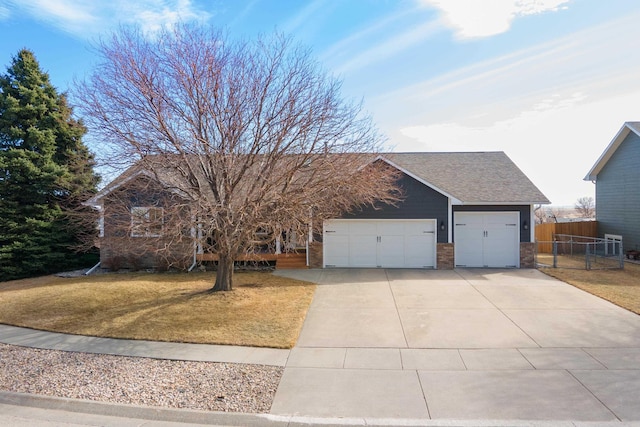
{"points": [[380, 243], [487, 239]]}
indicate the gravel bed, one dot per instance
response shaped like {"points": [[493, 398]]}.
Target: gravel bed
{"points": [[140, 381]]}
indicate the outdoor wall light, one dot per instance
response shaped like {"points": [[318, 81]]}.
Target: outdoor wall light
{"points": [[442, 225], [525, 225]]}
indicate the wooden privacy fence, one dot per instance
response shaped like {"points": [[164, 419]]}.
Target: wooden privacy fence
{"points": [[545, 232]]}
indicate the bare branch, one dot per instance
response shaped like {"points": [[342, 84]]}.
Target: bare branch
{"points": [[250, 136], [586, 207]]}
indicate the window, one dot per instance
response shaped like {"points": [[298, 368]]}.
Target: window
{"points": [[146, 221]]}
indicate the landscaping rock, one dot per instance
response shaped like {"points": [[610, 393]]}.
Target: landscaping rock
{"points": [[139, 381]]}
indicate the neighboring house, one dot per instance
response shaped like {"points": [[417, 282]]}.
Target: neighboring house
{"points": [[459, 210], [616, 175]]}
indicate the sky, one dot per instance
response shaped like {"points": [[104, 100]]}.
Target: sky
{"points": [[549, 82]]}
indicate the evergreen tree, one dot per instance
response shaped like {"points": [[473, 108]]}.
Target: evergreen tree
{"points": [[45, 172]]}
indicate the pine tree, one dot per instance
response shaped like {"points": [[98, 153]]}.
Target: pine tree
{"points": [[45, 171]]}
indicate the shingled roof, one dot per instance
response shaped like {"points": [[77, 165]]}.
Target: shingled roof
{"points": [[471, 178], [467, 178]]}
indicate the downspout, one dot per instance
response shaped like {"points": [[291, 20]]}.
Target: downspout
{"points": [[100, 233], [309, 237], [195, 261], [195, 249], [92, 269]]}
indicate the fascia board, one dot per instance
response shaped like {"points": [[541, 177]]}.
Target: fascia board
{"points": [[95, 200], [522, 203], [608, 152]]}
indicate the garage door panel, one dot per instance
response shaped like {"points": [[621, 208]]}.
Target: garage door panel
{"points": [[469, 255], [499, 219], [339, 256], [469, 235], [393, 228], [500, 245], [487, 239], [419, 248], [500, 233], [391, 251], [468, 219], [392, 261], [336, 227], [499, 256], [362, 250], [420, 243], [362, 228], [417, 228], [380, 243]]}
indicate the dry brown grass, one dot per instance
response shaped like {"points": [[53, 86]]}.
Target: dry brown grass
{"points": [[621, 287], [263, 310]]}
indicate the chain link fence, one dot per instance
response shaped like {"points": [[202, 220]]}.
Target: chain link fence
{"points": [[580, 252]]}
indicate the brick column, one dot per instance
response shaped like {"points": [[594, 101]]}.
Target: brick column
{"points": [[527, 255], [315, 255], [445, 256]]}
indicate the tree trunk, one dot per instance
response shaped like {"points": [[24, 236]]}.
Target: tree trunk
{"points": [[224, 275]]}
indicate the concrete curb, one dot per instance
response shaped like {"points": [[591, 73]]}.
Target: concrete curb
{"points": [[187, 416], [137, 412]]}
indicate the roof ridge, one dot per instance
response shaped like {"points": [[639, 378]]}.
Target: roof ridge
{"points": [[443, 152]]}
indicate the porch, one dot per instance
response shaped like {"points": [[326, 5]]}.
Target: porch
{"points": [[284, 261]]}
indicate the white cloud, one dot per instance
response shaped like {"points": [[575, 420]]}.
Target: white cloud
{"points": [[364, 36], [555, 142], [69, 15], [5, 13], [552, 108], [474, 19], [88, 18], [243, 13], [163, 14], [595, 62], [390, 47], [453, 136], [303, 17]]}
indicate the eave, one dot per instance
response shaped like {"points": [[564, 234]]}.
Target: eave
{"points": [[624, 131]]}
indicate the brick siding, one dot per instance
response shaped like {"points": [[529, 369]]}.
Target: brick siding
{"points": [[527, 255], [445, 256], [315, 255]]}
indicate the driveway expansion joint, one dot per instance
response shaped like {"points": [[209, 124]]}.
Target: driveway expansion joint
{"points": [[577, 364]]}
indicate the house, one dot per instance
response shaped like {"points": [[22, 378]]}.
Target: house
{"points": [[471, 209], [616, 175]]}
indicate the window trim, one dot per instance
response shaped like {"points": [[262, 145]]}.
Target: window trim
{"points": [[143, 227]]}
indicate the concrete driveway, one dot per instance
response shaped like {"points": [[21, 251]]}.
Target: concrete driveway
{"points": [[462, 344]]}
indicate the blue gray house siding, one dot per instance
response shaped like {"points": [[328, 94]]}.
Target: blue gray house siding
{"points": [[420, 202], [618, 193], [525, 214]]}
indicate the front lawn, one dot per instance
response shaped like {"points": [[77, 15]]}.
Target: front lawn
{"points": [[621, 287], [263, 310]]}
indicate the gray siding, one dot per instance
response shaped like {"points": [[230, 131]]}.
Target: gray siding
{"points": [[420, 202], [525, 214], [618, 193]]}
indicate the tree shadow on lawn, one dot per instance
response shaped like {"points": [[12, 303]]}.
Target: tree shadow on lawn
{"points": [[164, 308]]}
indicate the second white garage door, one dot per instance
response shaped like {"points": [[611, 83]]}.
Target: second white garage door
{"points": [[380, 243], [487, 239]]}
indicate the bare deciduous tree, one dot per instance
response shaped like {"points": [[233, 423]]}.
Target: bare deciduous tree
{"points": [[250, 135], [540, 214], [586, 207], [546, 214]]}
